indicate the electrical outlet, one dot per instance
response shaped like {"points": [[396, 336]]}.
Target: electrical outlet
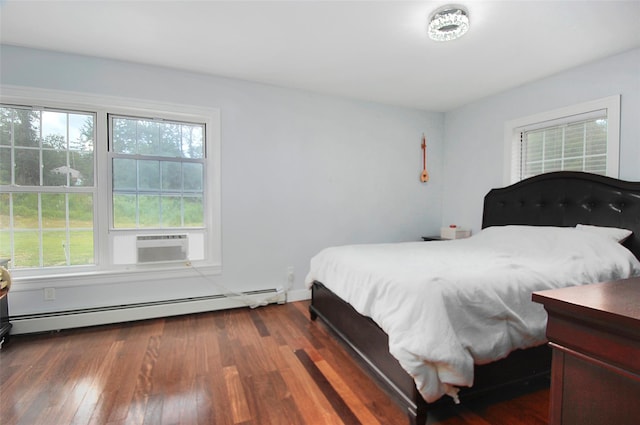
{"points": [[49, 294]]}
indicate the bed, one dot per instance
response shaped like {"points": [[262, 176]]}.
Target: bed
{"points": [[554, 200]]}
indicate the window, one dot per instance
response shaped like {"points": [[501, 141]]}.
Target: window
{"points": [[579, 138], [157, 173], [83, 178], [47, 187]]}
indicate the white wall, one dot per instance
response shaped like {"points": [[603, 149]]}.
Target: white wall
{"points": [[300, 171], [474, 134]]}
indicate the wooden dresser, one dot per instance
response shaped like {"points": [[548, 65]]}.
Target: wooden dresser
{"points": [[594, 331]]}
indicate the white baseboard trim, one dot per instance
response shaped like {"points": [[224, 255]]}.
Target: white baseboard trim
{"points": [[101, 316], [298, 295]]}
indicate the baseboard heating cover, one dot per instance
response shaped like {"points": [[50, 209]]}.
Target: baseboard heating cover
{"points": [[55, 321]]}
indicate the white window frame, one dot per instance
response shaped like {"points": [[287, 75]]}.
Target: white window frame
{"points": [[513, 128], [103, 233], [46, 189], [113, 155]]}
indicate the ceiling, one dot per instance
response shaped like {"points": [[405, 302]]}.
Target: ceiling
{"points": [[370, 50]]}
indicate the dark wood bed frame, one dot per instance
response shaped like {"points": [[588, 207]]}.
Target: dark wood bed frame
{"points": [[553, 199]]}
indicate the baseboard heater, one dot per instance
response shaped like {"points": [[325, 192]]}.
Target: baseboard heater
{"points": [[54, 321]]}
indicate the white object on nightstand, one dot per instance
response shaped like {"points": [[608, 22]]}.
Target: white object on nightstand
{"points": [[454, 232]]}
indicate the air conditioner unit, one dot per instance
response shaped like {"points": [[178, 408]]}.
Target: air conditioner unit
{"points": [[162, 248]]}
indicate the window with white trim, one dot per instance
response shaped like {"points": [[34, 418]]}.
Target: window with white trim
{"points": [[84, 177], [583, 137], [157, 173], [47, 187]]}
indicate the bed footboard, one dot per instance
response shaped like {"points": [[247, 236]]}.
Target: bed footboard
{"points": [[370, 345]]}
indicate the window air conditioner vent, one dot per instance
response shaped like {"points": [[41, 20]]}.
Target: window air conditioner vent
{"points": [[162, 248]]}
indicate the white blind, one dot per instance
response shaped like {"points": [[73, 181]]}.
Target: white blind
{"points": [[577, 144]]}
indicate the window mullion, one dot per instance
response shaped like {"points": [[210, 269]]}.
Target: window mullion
{"points": [[67, 236], [40, 228], [102, 190], [68, 153], [12, 153], [40, 153]]}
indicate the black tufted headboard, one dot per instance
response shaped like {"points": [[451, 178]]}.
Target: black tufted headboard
{"points": [[567, 198]]}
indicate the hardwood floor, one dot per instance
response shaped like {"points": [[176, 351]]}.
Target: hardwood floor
{"points": [[271, 365]]}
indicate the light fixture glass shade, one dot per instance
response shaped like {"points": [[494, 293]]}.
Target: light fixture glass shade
{"points": [[448, 23]]}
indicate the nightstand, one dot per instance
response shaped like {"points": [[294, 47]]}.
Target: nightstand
{"points": [[594, 331]]}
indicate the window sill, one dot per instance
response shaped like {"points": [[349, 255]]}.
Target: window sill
{"points": [[117, 276]]}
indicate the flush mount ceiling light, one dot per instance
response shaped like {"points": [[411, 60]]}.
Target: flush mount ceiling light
{"points": [[448, 23]]}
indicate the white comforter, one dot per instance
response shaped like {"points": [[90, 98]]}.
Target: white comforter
{"points": [[448, 305]]}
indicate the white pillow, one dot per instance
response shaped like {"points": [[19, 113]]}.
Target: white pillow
{"points": [[618, 235]]}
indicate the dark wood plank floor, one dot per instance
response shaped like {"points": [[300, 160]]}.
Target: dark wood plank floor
{"points": [[271, 365]]}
